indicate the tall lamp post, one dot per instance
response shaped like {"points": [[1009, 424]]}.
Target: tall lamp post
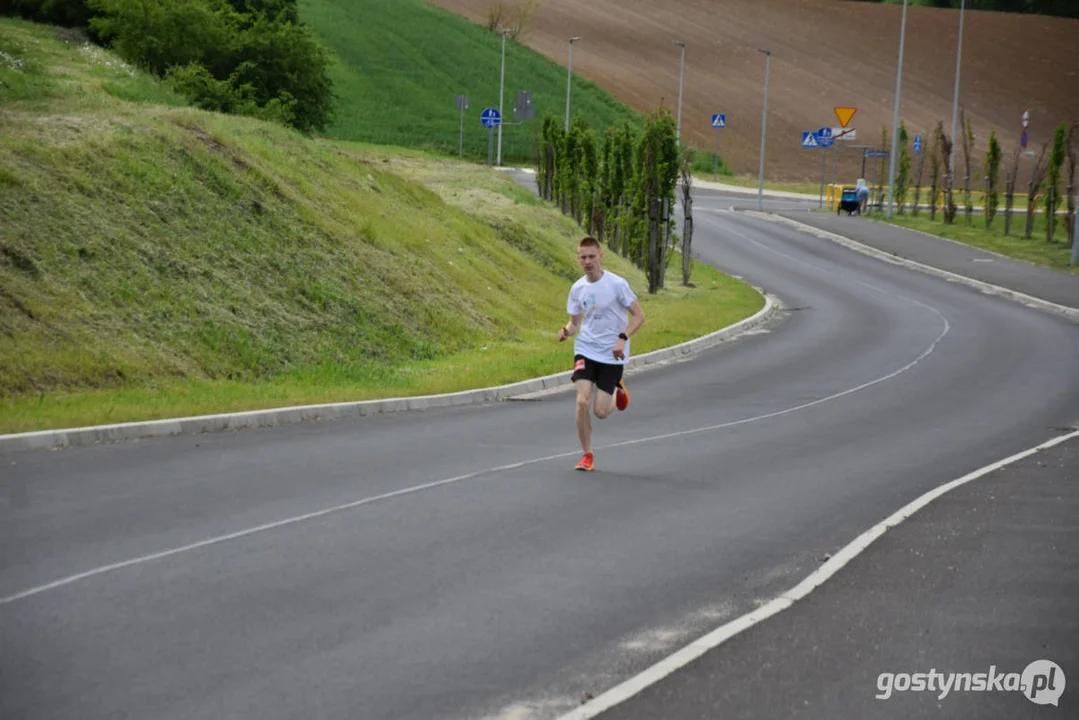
{"points": [[501, 88], [764, 127], [955, 97], [895, 113], [569, 77], [681, 77]]}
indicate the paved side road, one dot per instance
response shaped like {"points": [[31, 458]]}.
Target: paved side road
{"points": [[1052, 285], [985, 579]]}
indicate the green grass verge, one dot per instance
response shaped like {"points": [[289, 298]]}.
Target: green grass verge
{"points": [[1036, 250], [158, 261], [400, 65]]}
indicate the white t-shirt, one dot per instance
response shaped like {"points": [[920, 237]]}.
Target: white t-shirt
{"points": [[605, 305]]}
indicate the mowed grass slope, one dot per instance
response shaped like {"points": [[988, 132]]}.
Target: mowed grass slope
{"points": [[401, 65], [159, 261]]}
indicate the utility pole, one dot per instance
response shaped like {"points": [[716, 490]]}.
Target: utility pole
{"points": [[501, 88], [681, 77], [569, 77], [895, 116], [955, 97], [764, 127]]}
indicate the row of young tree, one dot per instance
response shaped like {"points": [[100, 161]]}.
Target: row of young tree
{"points": [[621, 187], [1056, 162], [245, 57]]}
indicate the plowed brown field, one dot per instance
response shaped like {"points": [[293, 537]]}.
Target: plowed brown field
{"points": [[825, 53]]}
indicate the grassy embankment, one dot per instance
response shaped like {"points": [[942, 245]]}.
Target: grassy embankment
{"points": [[160, 261], [401, 65]]}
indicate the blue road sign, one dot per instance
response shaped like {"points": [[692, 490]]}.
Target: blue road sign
{"points": [[809, 141], [876, 153], [824, 137], [719, 120], [918, 144], [491, 118]]}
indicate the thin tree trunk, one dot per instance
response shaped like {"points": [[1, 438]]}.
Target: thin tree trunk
{"points": [[1051, 215], [653, 231], [687, 224], [1009, 199], [918, 183]]}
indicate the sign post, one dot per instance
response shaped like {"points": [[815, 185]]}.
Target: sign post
{"points": [[490, 118], [719, 121], [822, 178], [844, 115], [462, 105], [826, 140], [820, 140]]}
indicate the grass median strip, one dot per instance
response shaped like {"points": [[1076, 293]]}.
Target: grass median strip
{"points": [[1037, 251]]}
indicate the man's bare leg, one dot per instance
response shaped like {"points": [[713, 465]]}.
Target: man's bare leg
{"points": [[604, 404], [584, 422]]}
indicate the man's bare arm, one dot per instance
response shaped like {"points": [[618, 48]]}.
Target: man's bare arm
{"points": [[636, 318], [570, 328]]}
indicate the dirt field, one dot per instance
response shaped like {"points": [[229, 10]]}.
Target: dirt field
{"points": [[824, 53]]}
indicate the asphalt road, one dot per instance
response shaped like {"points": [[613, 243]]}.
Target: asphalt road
{"points": [[984, 580], [451, 563]]}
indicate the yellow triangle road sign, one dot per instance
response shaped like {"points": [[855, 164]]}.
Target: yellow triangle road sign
{"points": [[845, 114]]}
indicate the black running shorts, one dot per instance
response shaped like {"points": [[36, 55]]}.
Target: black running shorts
{"points": [[604, 375]]}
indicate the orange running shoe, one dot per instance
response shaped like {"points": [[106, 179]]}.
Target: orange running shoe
{"points": [[621, 396], [587, 463]]}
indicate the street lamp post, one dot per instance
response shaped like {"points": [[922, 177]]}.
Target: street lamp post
{"points": [[569, 78], [501, 88], [895, 114], [764, 128], [681, 77], [955, 97]]}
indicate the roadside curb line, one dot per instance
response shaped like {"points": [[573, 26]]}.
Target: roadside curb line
{"points": [[987, 288], [45, 439], [831, 567]]}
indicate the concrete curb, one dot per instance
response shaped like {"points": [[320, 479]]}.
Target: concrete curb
{"points": [[987, 288], [46, 439]]}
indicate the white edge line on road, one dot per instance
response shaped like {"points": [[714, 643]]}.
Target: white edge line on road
{"points": [[634, 685], [271, 417], [985, 287]]}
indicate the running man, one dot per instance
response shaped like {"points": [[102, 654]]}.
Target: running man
{"points": [[597, 306]]}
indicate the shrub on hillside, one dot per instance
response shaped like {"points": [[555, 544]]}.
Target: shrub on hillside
{"points": [[250, 57], [69, 13]]}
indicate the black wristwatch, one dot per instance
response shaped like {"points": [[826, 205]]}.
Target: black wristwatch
{"points": [[623, 336]]}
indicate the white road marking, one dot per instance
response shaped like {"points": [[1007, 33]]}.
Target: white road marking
{"points": [[511, 466], [700, 646]]}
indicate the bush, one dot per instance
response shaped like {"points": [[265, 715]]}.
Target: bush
{"points": [[249, 57], [69, 13]]}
